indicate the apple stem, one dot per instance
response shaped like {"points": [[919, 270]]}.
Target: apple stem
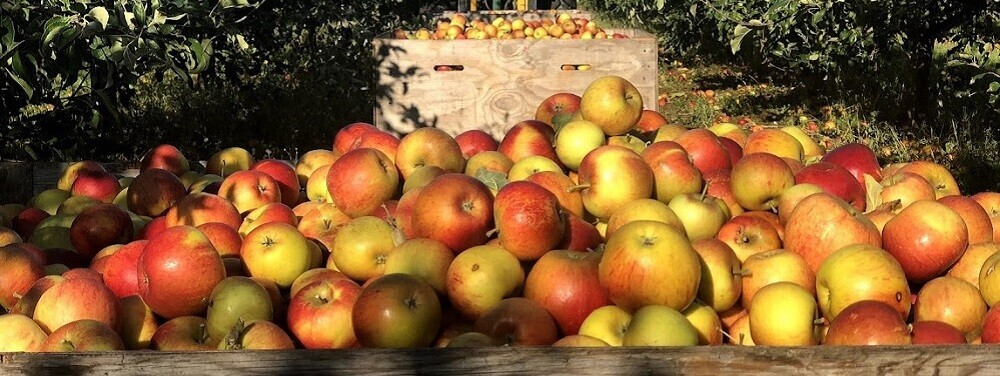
{"points": [[724, 334], [576, 188], [492, 232], [819, 322], [772, 207], [704, 191], [742, 272]]}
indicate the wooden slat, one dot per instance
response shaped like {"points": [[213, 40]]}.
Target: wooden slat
{"points": [[503, 81], [725, 360], [15, 182]]}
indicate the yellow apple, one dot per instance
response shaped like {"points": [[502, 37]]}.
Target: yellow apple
{"points": [[607, 324]]}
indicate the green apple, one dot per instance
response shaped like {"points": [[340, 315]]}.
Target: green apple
{"points": [[657, 325]]}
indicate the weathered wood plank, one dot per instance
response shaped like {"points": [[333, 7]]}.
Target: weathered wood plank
{"points": [[501, 82], [729, 360]]}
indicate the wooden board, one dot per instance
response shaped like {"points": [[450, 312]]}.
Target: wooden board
{"points": [[502, 82], [725, 360]]}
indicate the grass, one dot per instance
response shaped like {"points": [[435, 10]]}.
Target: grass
{"points": [[702, 95]]}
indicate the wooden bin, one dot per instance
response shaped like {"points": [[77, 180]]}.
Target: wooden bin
{"points": [[501, 82]]}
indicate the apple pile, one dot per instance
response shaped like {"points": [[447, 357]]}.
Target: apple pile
{"points": [[459, 26], [595, 224]]}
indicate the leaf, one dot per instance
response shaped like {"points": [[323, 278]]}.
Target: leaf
{"points": [[242, 42], [738, 34], [23, 84], [53, 27], [994, 87], [873, 197], [234, 3], [693, 9], [659, 4], [100, 14], [494, 180]]}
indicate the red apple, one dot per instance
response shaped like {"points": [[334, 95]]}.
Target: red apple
{"points": [[428, 147], [165, 157], [927, 238], [858, 159], [673, 171], [527, 138], [733, 148], [976, 218], [560, 185], [557, 104], [250, 189], [651, 121], [454, 209], [475, 141], [25, 222], [706, 151], [20, 270], [384, 142], [76, 299], [748, 235], [822, 224], [100, 226], [518, 322], [97, 184], [953, 301], [153, 191], [178, 270], [940, 178], [199, 208], [397, 311], [83, 335], [580, 235], [991, 326], [361, 180], [991, 202], [319, 315], [185, 333], [868, 323], [567, 285], [284, 174], [835, 180], [226, 240], [935, 333], [528, 219]]}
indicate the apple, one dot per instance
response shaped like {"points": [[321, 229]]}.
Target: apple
{"points": [[607, 324], [977, 220], [560, 185], [575, 139], [226, 240], [835, 180], [758, 180], [177, 271], [557, 104], [322, 224], [235, 299], [706, 321], [643, 252], [83, 335], [397, 311], [628, 141], [423, 258], [185, 333], [384, 142], [702, 215], [49, 200], [612, 176], [935, 333], [739, 332], [719, 185], [482, 276], [21, 270], [861, 272], [421, 177], [991, 326], [429, 147], [347, 135], [777, 265], [580, 235], [228, 161], [53, 233], [21, 334], [991, 202], [901, 189], [475, 141], [25, 222], [673, 171], [774, 142], [75, 205], [96, 184], [953, 301], [121, 270], [470, 339], [747, 235], [706, 151], [527, 138], [76, 299], [277, 252], [518, 322], [208, 184], [667, 132], [85, 273], [138, 324], [531, 165], [312, 160], [782, 314], [319, 315], [927, 238], [100, 226], [643, 209], [455, 209], [316, 188], [528, 219], [257, 335], [822, 224], [361, 248], [153, 192], [73, 171], [250, 189], [809, 146], [613, 103], [361, 180], [490, 160], [199, 208], [658, 325], [26, 304], [269, 213], [721, 283], [940, 178], [868, 323], [566, 284], [968, 267], [284, 174], [579, 341], [858, 159], [651, 121]]}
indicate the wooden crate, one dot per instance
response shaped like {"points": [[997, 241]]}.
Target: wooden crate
{"points": [[501, 82], [701, 360]]}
